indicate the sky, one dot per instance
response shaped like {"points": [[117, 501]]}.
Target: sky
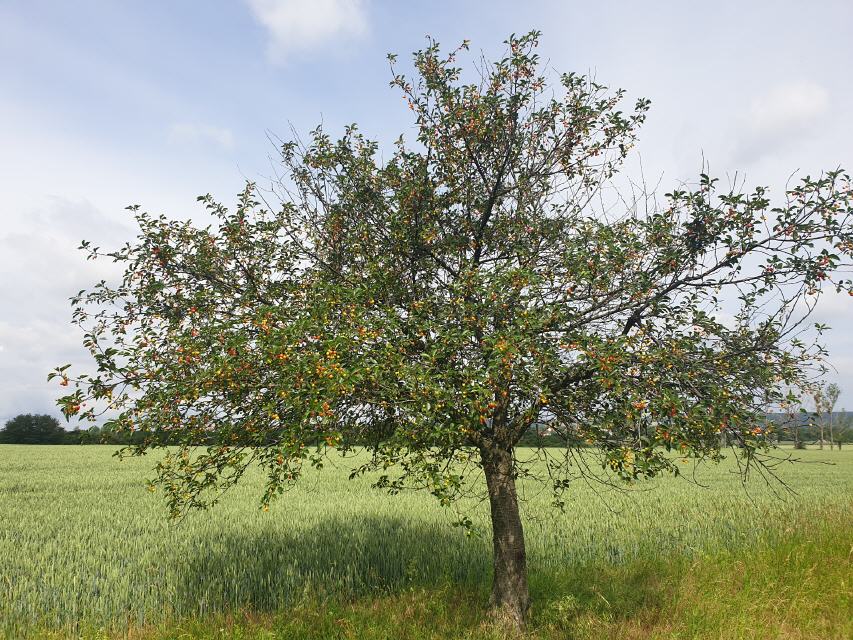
{"points": [[107, 104]]}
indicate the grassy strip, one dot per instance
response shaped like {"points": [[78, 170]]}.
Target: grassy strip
{"points": [[792, 583]]}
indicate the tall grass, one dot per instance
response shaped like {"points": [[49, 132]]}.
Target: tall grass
{"points": [[84, 545]]}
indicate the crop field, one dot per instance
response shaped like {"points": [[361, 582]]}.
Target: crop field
{"points": [[86, 551]]}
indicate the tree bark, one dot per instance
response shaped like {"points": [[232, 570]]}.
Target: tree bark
{"points": [[510, 597]]}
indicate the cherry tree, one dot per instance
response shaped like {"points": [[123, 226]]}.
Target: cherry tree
{"points": [[435, 304]]}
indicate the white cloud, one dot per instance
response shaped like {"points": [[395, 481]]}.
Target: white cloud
{"points": [[789, 107], [784, 114], [297, 24], [196, 133], [38, 249]]}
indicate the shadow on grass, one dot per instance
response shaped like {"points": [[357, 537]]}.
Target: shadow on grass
{"points": [[380, 560], [338, 559]]}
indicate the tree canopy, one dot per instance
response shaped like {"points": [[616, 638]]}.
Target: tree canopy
{"points": [[437, 302]]}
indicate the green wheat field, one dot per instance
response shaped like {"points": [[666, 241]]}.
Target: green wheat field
{"points": [[86, 551]]}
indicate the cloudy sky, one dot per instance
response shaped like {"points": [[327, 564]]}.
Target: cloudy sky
{"points": [[106, 104]]}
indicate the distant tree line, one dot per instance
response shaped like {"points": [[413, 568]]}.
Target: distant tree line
{"points": [[30, 428], [833, 428], [801, 429]]}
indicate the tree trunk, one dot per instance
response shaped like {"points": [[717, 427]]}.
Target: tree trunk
{"points": [[831, 435], [510, 597]]}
